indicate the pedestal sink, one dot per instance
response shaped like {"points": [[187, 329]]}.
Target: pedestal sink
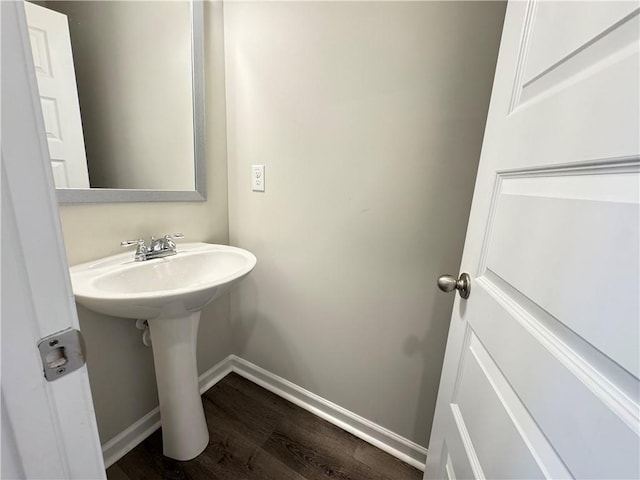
{"points": [[169, 293]]}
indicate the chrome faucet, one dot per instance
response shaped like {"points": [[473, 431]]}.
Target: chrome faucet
{"points": [[158, 247]]}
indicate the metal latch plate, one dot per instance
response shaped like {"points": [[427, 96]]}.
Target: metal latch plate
{"points": [[61, 353]]}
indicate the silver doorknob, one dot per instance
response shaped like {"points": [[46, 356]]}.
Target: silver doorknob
{"points": [[448, 283]]}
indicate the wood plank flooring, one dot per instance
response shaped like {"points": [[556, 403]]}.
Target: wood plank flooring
{"points": [[256, 435]]}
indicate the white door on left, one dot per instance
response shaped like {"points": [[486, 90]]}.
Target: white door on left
{"points": [[48, 427], [53, 61]]}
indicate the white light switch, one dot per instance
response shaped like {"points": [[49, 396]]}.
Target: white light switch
{"points": [[257, 178]]}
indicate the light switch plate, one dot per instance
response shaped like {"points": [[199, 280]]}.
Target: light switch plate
{"points": [[257, 178]]}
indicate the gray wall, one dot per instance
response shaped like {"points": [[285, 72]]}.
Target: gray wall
{"points": [[120, 367], [369, 118]]}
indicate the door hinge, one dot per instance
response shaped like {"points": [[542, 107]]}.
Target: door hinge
{"points": [[61, 353]]}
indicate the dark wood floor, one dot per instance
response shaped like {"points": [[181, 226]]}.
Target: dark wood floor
{"points": [[255, 434]]}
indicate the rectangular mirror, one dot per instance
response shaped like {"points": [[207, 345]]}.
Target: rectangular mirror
{"points": [[121, 85]]}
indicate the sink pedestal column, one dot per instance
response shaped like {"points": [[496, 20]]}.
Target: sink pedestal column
{"points": [[184, 428]]}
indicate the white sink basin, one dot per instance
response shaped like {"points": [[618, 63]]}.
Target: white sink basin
{"points": [[175, 285], [169, 293]]}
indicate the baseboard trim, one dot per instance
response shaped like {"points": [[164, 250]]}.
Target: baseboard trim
{"points": [[132, 436], [129, 438], [216, 373], [392, 443]]}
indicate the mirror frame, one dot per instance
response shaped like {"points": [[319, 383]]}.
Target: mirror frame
{"points": [[117, 195]]}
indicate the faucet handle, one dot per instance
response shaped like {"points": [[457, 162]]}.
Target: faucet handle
{"points": [[129, 243], [168, 240], [141, 251], [174, 235]]}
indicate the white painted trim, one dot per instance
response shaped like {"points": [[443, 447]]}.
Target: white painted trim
{"points": [[392, 443], [216, 373], [132, 436]]}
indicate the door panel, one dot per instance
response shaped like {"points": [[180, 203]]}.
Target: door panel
{"points": [[572, 403], [449, 472], [562, 30], [490, 410], [581, 88], [536, 247], [541, 371], [53, 61]]}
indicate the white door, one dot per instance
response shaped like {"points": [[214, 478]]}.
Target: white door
{"points": [[48, 427], [540, 378], [53, 61]]}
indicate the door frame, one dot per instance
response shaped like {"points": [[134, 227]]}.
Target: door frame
{"points": [[49, 428]]}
